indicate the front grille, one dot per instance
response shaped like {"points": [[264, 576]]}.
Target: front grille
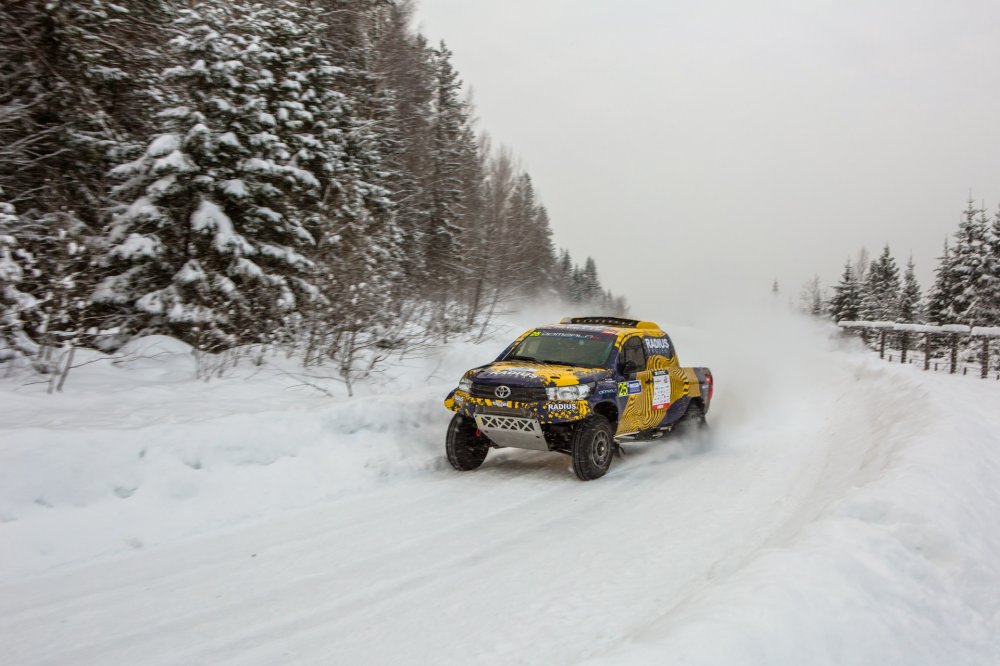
{"points": [[517, 393]]}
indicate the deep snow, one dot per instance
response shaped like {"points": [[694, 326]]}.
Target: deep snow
{"points": [[844, 511]]}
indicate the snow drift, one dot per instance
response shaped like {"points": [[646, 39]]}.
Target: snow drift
{"points": [[845, 511]]}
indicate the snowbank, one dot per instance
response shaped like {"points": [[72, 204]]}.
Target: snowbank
{"points": [[141, 453], [845, 512], [903, 569]]}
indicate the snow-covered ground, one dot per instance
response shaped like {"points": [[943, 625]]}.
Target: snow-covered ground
{"points": [[844, 511]]}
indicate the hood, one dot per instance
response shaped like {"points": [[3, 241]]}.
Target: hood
{"points": [[526, 373]]}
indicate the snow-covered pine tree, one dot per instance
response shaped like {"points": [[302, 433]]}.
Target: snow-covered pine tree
{"points": [[529, 235], [590, 283], [358, 255], [211, 245], [968, 267], [910, 305], [73, 85], [405, 76], [15, 305], [880, 293], [991, 287], [564, 274], [845, 305], [545, 254], [442, 261], [474, 237], [811, 298], [943, 292]]}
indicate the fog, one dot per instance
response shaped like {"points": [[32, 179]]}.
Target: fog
{"points": [[700, 150]]}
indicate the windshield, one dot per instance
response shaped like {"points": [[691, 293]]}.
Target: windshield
{"points": [[585, 350]]}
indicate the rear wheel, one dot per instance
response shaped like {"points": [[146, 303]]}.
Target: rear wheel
{"points": [[692, 422], [593, 446], [466, 451]]}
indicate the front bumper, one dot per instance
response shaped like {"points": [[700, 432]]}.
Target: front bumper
{"points": [[545, 412]]}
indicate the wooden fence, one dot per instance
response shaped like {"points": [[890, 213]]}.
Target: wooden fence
{"points": [[951, 334]]}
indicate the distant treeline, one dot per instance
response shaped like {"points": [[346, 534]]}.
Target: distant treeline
{"points": [[229, 172], [966, 288]]}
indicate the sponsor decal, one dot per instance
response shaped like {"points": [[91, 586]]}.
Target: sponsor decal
{"points": [[511, 372], [561, 407], [658, 346], [459, 400], [534, 334], [661, 389], [629, 388], [502, 403], [562, 334], [607, 391]]}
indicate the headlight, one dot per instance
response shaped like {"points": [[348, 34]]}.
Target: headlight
{"points": [[576, 392], [465, 384]]}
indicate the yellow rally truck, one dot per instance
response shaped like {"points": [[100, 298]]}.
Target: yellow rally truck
{"points": [[580, 387]]}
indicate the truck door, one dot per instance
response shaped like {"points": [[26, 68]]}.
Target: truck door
{"points": [[635, 390]]}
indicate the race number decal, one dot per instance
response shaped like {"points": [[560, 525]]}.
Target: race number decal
{"points": [[661, 389]]}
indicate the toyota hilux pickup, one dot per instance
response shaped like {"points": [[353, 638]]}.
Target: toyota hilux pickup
{"points": [[580, 387]]}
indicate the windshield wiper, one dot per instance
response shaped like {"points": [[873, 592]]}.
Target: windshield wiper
{"points": [[516, 357]]}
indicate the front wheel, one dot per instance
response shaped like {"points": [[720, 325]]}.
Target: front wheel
{"points": [[593, 445], [466, 447]]}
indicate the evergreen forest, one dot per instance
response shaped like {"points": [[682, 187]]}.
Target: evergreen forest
{"points": [[294, 174]]}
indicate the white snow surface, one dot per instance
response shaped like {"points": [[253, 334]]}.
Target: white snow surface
{"points": [[843, 511]]}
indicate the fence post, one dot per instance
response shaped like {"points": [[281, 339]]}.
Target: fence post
{"points": [[881, 344], [904, 338], [927, 351], [986, 358], [954, 352]]}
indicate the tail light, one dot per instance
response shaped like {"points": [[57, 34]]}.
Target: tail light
{"points": [[711, 383]]}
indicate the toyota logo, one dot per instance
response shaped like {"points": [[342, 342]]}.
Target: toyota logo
{"points": [[502, 392]]}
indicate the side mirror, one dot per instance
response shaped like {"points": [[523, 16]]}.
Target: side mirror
{"points": [[629, 367]]}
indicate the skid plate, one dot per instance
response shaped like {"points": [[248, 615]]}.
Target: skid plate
{"points": [[512, 431]]}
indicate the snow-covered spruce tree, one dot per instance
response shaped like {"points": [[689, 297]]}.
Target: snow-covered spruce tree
{"points": [[811, 298], [845, 305], [73, 85], [968, 266], [564, 274], [943, 292], [43, 310], [531, 237], [955, 298], [442, 243], [474, 237], [590, 283], [880, 293], [991, 287], [15, 305], [405, 75], [212, 244], [70, 88], [910, 302]]}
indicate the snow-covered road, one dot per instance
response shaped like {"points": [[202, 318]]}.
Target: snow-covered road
{"points": [[838, 514]]}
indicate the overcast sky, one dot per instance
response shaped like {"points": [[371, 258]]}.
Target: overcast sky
{"points": [[697, 146]]}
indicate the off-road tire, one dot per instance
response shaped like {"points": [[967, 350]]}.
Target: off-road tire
{"points": [[593, 448], [465, 451], [693, 421]]}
